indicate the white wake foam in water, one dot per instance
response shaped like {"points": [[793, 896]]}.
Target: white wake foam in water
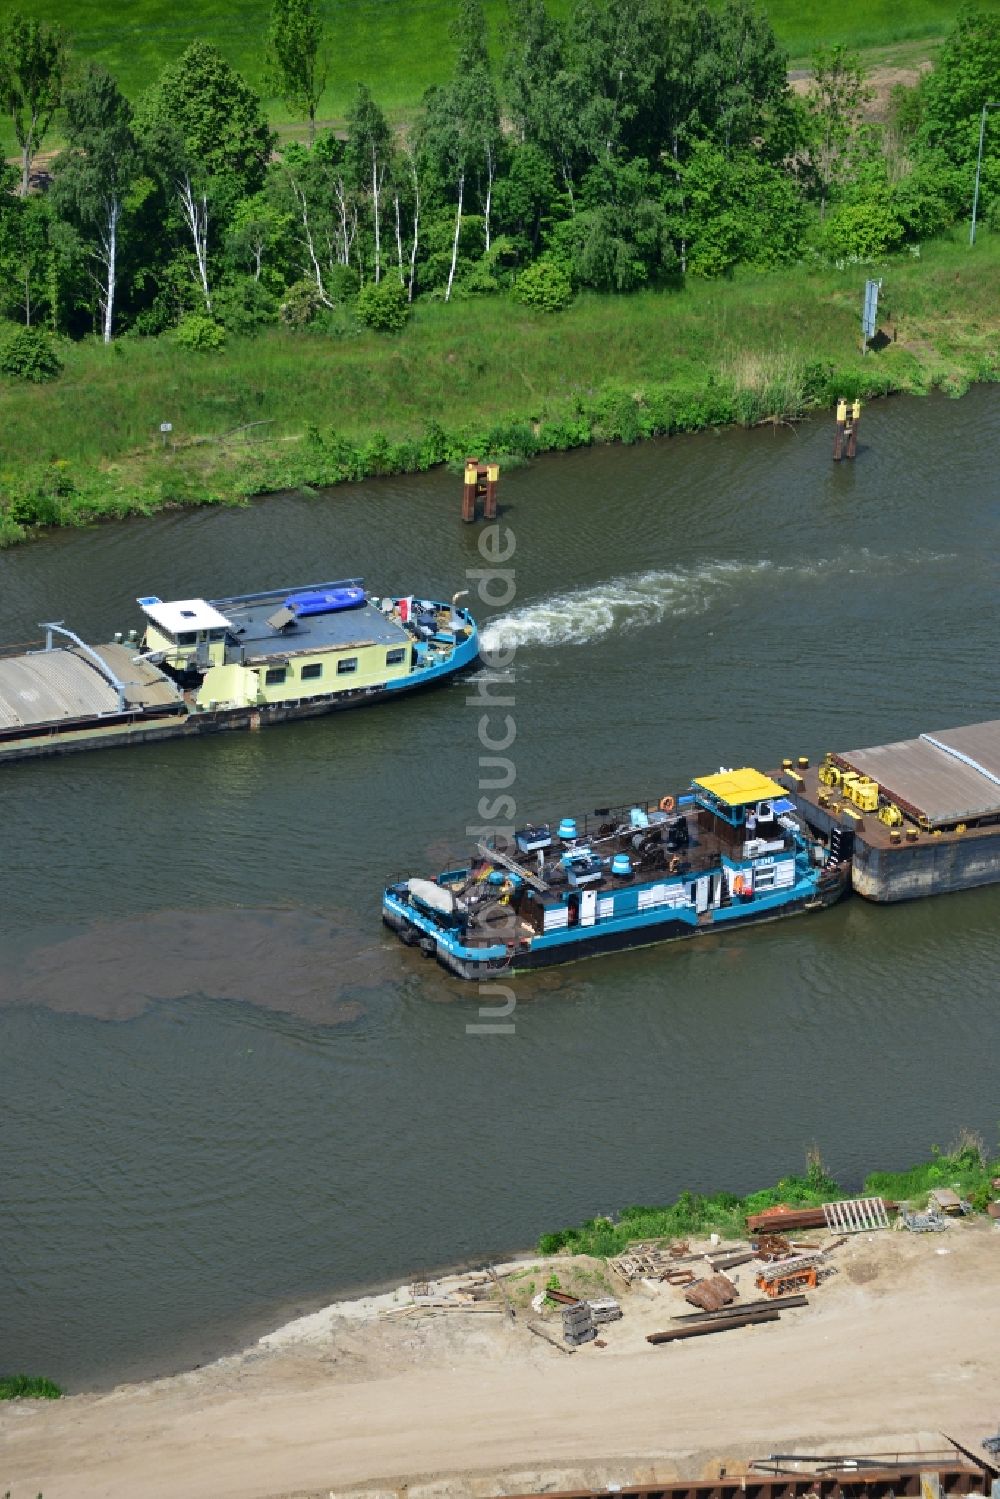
{"points": [[583, 615], [638, 600]]}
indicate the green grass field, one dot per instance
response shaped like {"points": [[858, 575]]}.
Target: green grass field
{"points": [[400, 47], [492, 374], [481, 360]]}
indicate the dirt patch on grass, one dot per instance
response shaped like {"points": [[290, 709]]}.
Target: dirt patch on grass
{"points": [[881, 80]]}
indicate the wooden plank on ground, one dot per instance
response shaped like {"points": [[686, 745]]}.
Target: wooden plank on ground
{"points": [[503, 1292], [540, 1332]]}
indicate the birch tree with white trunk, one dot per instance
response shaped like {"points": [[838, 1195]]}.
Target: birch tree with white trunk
{"points": [[367, 162], [309, 240], [206, 137], [93, 176], [461, 137], [194, 209], [414, 242]]}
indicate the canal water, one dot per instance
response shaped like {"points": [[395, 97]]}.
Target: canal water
{"points": [[228, 1094]]}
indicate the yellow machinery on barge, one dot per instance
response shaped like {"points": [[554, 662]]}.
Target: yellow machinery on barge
{"points": [[917, 816]]}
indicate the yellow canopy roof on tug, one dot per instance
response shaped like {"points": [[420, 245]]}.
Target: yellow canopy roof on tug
{"points": [[738, 787]]}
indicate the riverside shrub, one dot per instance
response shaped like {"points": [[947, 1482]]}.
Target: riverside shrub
{"points": [[300, 304], [383, 306], [201, 333], [28, 354], [243, 305], [342, 283], [544, 284], [865, 230]]}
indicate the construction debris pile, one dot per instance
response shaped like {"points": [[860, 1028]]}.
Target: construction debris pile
{"points": [[652, 1262], [476, 1295], [853, 1215], [780, 1268], [783, 1267]]}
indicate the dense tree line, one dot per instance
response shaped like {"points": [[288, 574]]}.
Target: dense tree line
{"points": [[636, 143]]}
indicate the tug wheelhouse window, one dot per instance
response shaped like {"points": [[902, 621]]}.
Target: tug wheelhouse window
{"points": [[349, 664], [311, 670], [394, 658], [275, 675]]}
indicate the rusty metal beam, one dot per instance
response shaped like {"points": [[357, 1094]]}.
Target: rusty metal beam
{"points": [[561, 1298], [707, 1323], [736, 1309]]}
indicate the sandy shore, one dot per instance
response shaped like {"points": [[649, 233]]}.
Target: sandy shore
{"points": [[368, 1397]]}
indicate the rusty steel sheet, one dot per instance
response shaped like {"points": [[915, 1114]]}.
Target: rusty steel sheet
{"points": [[777, 1219], [944, 775], [711, 1294]]}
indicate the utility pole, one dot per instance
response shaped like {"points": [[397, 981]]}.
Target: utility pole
{"points": [[979, 167]]}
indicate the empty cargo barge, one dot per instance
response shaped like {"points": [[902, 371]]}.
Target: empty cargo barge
{"points": [[203, 665], [923, 814]]}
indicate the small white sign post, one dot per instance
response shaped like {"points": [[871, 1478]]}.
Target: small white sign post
{"points": [[869, 315]]}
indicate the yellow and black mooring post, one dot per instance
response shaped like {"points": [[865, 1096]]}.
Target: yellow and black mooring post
{"points": [[469, 489], [838, 440], [853, 422], [492, 479], [481, 480], [845, 442]]}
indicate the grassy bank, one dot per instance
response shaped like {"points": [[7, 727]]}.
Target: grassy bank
{"points": [[28, 1387], [292, 409], [964, 1166], [400, 48]]}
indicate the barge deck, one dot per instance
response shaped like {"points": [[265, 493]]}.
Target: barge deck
{"points": [[923, 814]]}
